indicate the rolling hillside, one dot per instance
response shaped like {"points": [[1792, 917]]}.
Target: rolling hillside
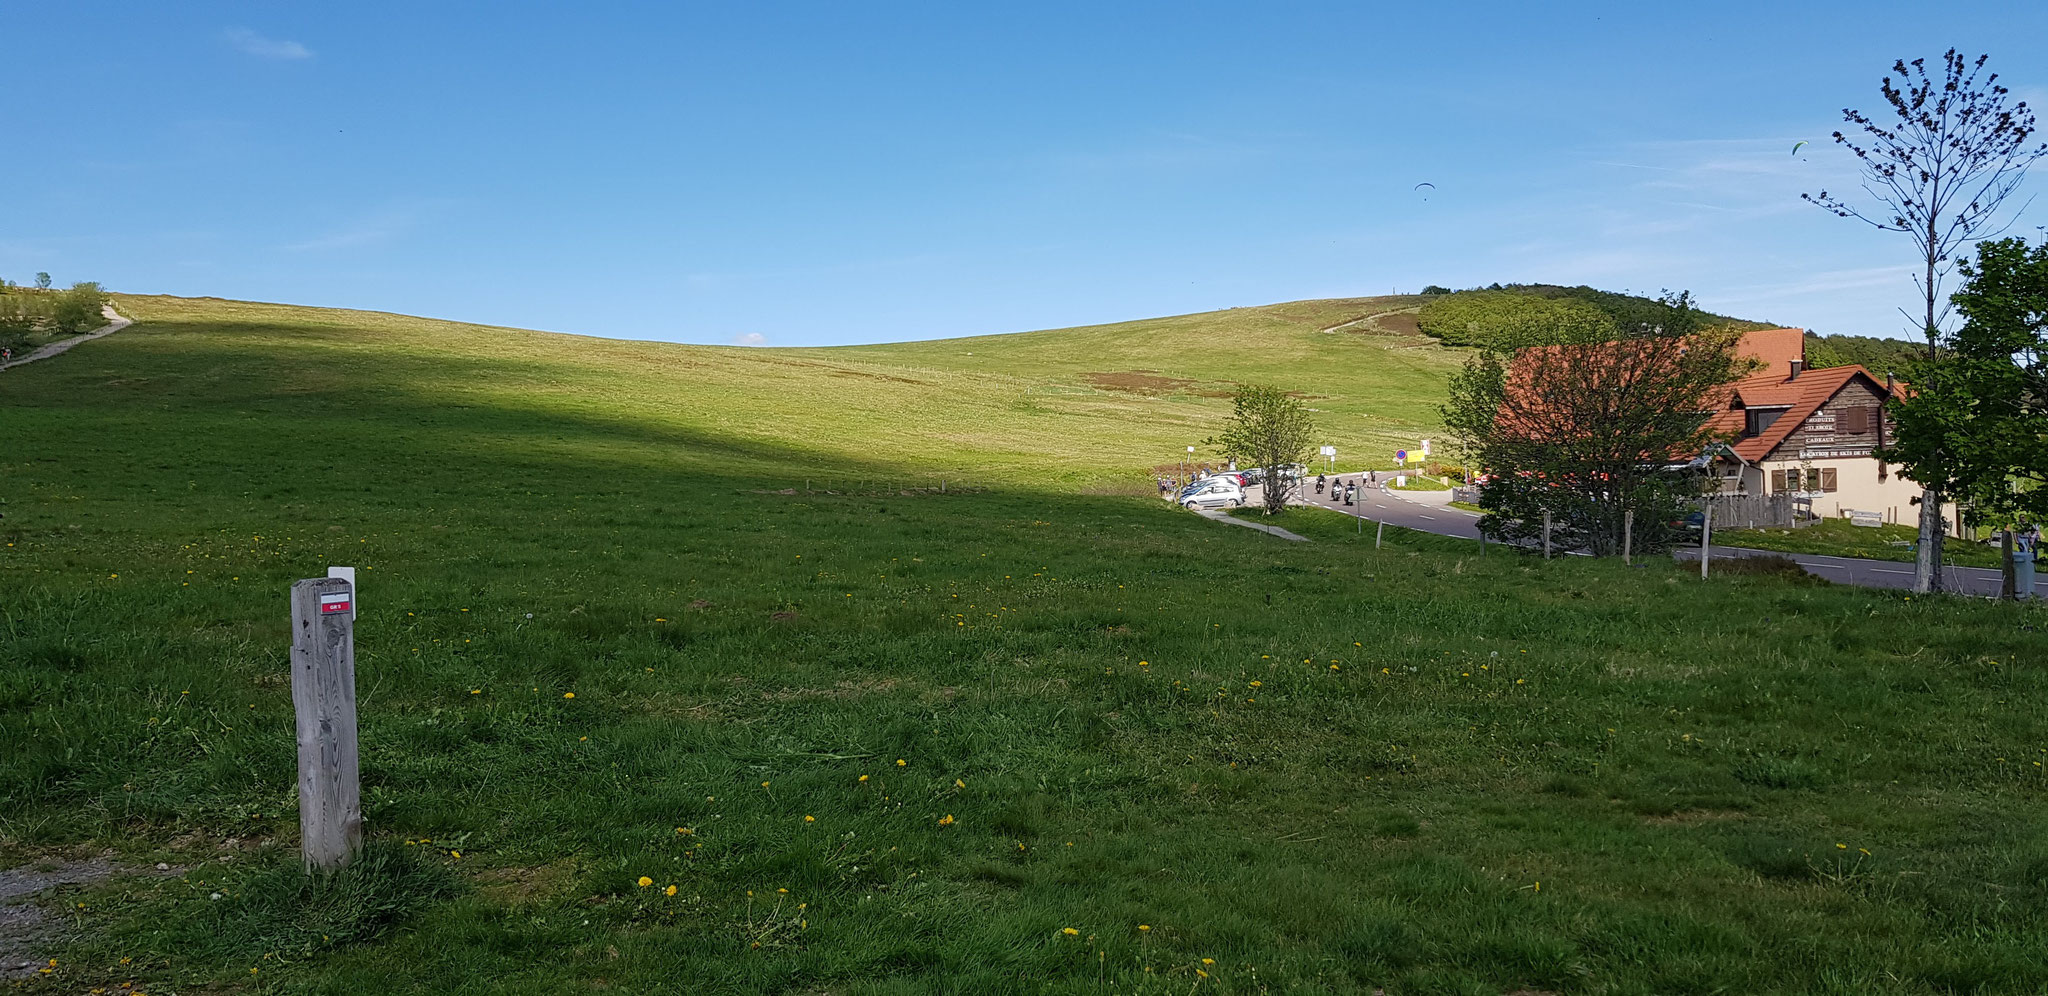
{"points": [[1102, 404], [640, 713]]}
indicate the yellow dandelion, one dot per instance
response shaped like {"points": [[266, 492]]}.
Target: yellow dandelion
{"points": [[1144, 926], [810, 819], [685, 831], [568, 695], [863, 778], [644, 881], [958, 784], [946, 820], [1070, 932], [671, 890], [1208, 961], [901, 762]]}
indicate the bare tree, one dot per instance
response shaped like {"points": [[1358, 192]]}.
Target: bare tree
{"points": [[1941, 173]]}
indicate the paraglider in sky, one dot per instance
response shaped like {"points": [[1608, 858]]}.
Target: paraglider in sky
{"points": [[1796, 146], [1421, 185]]}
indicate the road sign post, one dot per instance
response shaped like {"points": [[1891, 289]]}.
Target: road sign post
{"points": [[1546, 534], [324, 702], [1706, 536], [1628, 534]]}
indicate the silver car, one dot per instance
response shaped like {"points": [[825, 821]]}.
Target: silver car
{"points": [[1213, 493]]}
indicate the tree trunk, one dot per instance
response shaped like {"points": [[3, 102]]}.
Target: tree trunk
{"points": [[2006, 582], [1927, 554]]}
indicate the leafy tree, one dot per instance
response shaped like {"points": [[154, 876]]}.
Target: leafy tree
{"points": [[1436, 289], [22, 312], [1272, 430], [1938, 170], [1507, 319], [1879, 356], [78, 309], [42, 281], [1975, 424], [1543, 314], [1589, 432]]}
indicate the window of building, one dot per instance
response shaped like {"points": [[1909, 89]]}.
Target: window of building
{"points": [[1760, 419], [1827, 478]]}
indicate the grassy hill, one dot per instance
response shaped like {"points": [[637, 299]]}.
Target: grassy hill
{"points": [[1100, 405], [1017, 738]]}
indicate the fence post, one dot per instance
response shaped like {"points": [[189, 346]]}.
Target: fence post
{"points": [[324, 701], [1628, 534], [1706, 537], [1546, 534], [1379, 532]]}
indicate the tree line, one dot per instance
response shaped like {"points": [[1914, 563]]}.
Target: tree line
{"points": [[1510, 316], [40, 310]]}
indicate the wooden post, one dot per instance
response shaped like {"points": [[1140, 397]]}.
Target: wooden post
{"points": [[1706, 536], [1379, 533], [324, 699], [1546, 534], [1628, 535]]}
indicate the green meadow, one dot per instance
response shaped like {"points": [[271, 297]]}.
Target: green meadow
{"points": [[874, 670]]}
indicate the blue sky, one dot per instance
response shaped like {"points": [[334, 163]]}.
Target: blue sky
{"points": [[800, 173]]}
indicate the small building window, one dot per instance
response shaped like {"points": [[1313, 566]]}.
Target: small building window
{"points": [[1760, 419]]}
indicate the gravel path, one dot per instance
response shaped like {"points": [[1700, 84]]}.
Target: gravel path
{"points": [[115, 323]]}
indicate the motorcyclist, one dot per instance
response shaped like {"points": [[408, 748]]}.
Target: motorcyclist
{"points": [[1319, 483]]}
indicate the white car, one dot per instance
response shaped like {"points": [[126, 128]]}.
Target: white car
{"points": [[1213, 494]]}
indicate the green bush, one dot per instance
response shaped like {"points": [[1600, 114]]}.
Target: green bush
{"points": [[78, 309]]}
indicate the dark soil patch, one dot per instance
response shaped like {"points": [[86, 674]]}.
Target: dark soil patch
{"points": [[1399, 323], [1139, 382]]}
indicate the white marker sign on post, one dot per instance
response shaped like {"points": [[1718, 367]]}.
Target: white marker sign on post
{"points": [[347, 574]]}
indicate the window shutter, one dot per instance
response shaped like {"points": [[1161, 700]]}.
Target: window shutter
{"points": [[1827, 476], [1777, 480], [1855, 420]]}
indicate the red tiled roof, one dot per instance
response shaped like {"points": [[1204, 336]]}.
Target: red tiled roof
{"points": [[1777, 349], [1771, 385], [1803, 397]]}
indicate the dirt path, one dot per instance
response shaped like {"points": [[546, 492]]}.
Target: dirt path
{"points": [[115, 323], [1228, 519]]}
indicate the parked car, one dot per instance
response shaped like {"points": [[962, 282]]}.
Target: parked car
{"points": [[1213, 493]]}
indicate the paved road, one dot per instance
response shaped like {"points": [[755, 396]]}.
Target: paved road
{"points": [[1865, 573], [1423, 511], [115, 323], [1430, 512]]}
